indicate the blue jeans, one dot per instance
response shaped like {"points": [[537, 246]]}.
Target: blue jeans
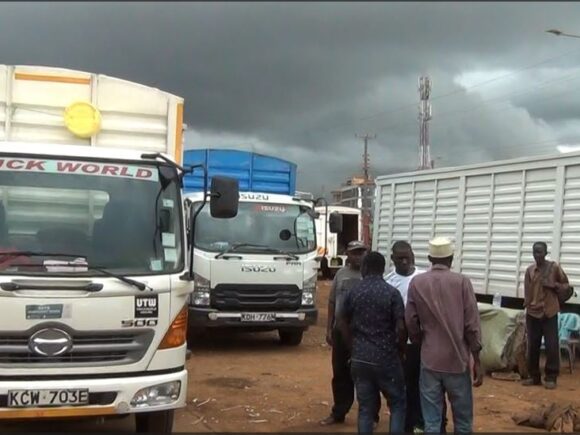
{"points": [[369, 380], [458, 387]]}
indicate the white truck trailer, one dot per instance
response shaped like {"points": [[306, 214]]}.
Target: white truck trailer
{"points": [[335, 244], [494, 212], [94, 280]]}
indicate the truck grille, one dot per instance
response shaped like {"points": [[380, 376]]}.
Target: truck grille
{"points": [[256, 297], [88, 349]]}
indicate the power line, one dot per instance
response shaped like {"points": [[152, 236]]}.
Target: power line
{"points": [[454, 92], [484, 105]]}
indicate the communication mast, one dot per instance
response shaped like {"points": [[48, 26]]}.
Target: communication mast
{"points": [[425, 161]]}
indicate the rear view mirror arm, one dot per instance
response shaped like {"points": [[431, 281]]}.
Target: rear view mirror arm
{"points": [[195, 215]]}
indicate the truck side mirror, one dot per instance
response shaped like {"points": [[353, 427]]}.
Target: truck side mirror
{"points": [[313, 214], [224, 197], [335, 222]]}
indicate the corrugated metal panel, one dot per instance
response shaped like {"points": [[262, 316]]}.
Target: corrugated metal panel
{"points": [[33, 100], [383, 220], [475, 229], [254, 172], [422, 220], [503, 251], [502, 211], [570, 242]]}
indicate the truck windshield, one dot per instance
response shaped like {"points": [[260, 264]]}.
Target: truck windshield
{"points": [[257, 224], [116, 216]]}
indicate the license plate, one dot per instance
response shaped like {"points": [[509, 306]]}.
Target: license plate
{"points": [[36, 398], [258, 317]]}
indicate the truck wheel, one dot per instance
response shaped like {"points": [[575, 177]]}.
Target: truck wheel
{"points": [[154, 422], [291, 337]]}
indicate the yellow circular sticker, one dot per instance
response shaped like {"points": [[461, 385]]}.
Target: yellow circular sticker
{"points": [[82, 119]]}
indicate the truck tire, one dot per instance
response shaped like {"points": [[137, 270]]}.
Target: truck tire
{"points": [[154, 422], [291, 337]]}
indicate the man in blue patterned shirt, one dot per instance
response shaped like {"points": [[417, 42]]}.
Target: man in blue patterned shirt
{"points": [[373, 320]]}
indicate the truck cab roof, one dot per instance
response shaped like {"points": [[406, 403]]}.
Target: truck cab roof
{"points": [[75, 151]]}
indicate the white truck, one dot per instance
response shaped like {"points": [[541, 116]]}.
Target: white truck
{"points": [[335, 244], [257, 271], [494, 212], [94, 280]]}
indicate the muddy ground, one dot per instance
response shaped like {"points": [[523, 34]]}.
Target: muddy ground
{"points": [[250, 383]]}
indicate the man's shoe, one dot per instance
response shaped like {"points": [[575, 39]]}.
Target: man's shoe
{"points": [[550, 385], [531, 382], [331, 419]]}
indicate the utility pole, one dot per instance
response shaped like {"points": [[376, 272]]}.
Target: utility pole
{"points": [[425, 161], [366, 212]]}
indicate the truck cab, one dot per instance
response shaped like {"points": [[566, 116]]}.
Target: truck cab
{"points": [[94, 278], [257, 271]]}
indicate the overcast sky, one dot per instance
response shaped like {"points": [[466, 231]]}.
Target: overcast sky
{"points": [[301, 79]]}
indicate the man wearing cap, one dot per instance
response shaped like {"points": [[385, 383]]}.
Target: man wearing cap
{"points": [[342, 384], [400, 277], [442, 316]]}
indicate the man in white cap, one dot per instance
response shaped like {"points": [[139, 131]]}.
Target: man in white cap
{"points": [[442, 315]]}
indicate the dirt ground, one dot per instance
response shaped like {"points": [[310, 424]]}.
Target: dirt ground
{"points": [[250, 383]]}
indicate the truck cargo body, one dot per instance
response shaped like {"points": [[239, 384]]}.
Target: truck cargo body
{"points": [[494, 212], [335, 245], [92, 234]]}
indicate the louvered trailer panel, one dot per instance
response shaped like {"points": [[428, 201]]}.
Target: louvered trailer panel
{"points": [[493, 212]]}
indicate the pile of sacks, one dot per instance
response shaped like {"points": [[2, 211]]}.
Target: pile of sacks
{"points": [[563, 418]]}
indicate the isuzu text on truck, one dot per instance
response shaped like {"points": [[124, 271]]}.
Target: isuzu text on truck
{"points": [[257, 271], [94, 280]]}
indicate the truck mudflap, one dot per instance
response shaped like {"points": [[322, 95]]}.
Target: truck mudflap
{"points": [[105, 396], [211, 318]]}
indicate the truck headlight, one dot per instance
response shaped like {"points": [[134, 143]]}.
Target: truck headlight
{"points": [[309, 291], [162, 394], [201, 290]]}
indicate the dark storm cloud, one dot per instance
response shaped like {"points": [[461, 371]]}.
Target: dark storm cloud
{"points": [[300, 79]]}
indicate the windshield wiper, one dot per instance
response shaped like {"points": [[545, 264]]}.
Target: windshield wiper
{"points": [[141, 286], [261, 247], [235, 246]]}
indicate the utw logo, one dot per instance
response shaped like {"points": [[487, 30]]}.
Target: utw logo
{"points": [[146, 303]]}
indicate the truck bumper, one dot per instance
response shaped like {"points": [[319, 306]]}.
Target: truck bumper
{"points": [[107, 396], [210, 318]]}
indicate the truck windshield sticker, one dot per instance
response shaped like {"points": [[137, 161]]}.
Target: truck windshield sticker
{"points": [[146, 306], [79, 168], [156, 265], [267, 208], [41, 312], [168, 240], [171, 255]]}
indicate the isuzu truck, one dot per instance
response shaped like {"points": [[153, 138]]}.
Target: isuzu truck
{"points": [[257, 271]]}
